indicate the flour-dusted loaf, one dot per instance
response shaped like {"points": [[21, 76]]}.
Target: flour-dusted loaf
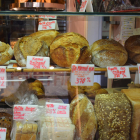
{"points": [[83, 117], [108, 52], [134, 96], [45, 35], [70, 48], [132, 45], [6, 53], [113, 112], [29, 46]]}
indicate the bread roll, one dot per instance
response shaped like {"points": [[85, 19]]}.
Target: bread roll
{"points": [[83, 117], [6, 53], [113, 112], [132, 45], [29, 46], [133, 95], [70, 48], [108, 53]]}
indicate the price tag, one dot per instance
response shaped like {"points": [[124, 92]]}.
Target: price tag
{"points": [[139, 71], [34, 62], [47, 25], [57, 110], [3, 77], [86, 5], [47, 16], [3, 133], [82, 75], [22, 111], [118, 72]]}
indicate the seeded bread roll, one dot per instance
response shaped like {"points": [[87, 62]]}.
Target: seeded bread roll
{"points": [[132, 45], [29, 46], [113, 112], [83, 117], [108, 53], [6, 53], [70, 48]]}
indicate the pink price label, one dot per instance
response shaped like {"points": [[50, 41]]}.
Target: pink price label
{"points": [[118, 72], [83, 5], [46, 25], [3, 77], [3, 133]]}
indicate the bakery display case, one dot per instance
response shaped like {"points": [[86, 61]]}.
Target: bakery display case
{"points": [[39, 46]]}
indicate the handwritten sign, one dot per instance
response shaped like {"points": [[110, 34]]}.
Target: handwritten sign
{"points": [[118, 72], [57, 109], [86, 5], [47, 16], [35, 62], [22, 111], [3, 133], [47, 25], [82, 75], [3, 77], [139, 71]]}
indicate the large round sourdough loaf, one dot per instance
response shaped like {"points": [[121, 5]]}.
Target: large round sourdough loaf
{"points": [[29, 46], [132, 45], [70, 48], [108, 53], [6, 53]]}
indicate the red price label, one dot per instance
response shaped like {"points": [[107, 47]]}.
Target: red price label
{"points": [[118, 72], [46, 25], [83, 5], [3, 77], [3, 133]]}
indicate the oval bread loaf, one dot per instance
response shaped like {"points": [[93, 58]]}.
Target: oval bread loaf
{"points": [[108, 53], [132, 45], [29, 46], [6, 53], [70, 48]]}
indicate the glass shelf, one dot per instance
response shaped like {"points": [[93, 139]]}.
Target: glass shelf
{"points": [[58, 13]]}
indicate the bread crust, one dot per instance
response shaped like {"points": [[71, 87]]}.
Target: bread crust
{"points": [[108, 53], [70, 48], [132, 45]]}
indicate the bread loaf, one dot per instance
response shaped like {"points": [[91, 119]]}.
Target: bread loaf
{"points": [[133, 95], [113, 112], [29, 46], [108, 53], [70, 48], [132, 45], [6, 53], [83, 117]]}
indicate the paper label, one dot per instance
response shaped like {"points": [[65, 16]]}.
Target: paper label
{"points": [[57, 110], [3, 77], [47, 25], [47, 16], [3, 133], [139, 71], [86, 5], [34, 62], [82, 75], [118, 72], [22, 111]]}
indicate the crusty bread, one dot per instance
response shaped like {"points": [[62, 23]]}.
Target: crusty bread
{"points": [[134, 97], [6, 53], [70, 48], [132, 45], [108, 53], [113, 112], [83, 117], [29, 46], [46, 35]]}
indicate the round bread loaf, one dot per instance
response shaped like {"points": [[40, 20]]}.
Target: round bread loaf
{"points": [[6, 53], [70, 48], [132, 45], [29, 46], [108, 53]]}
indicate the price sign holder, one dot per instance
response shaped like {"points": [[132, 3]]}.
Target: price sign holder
{"points": [[3, 77], [82, 74], [86, 5], [22, 111], [34, 62], [3, 133], [118, 72], [57, 110]]}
